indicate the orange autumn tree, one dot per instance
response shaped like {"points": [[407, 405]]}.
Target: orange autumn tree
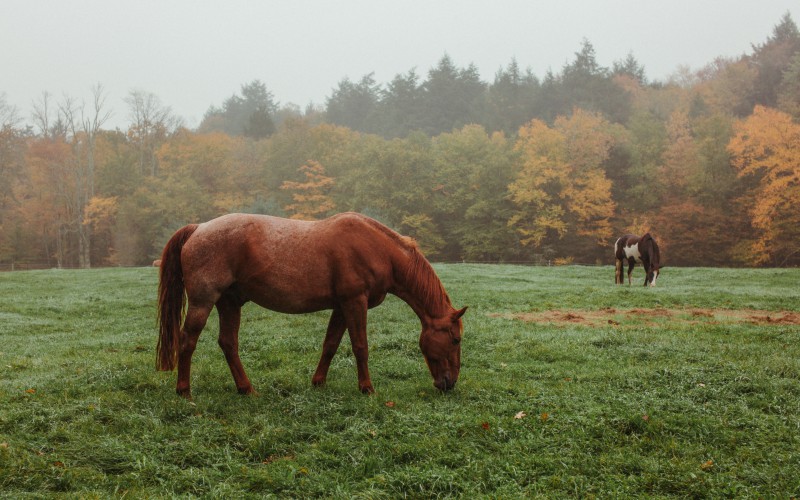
{"points": [[765, 149], [312, 198], [562, 188]]}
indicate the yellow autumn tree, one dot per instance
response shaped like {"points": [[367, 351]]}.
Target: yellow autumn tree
{"points": [[766, 149], [101, 214], [561, 187], [538, 184], [312, 198], [208, 164]]}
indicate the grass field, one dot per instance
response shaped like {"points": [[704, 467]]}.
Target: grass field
{"points": [[570, 386]]}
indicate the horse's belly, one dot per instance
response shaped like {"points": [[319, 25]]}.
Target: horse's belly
{"points": [[289, 299]]}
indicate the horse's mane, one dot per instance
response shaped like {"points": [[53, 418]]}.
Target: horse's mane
{"points": [[421, 280], [416, 274]]}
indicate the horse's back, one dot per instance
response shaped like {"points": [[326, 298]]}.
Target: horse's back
{"points": [[285, 264], [624, 242]]}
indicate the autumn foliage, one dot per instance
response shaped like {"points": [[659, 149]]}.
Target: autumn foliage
{"points": [[517, 170], [766, 151]]}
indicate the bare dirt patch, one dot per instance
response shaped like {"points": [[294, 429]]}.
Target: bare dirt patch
{"points": [[617, 317]]}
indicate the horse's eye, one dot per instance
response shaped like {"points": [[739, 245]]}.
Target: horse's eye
{"points": [[456, 341]]}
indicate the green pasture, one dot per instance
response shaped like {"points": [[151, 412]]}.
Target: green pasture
{"points": [[570, 387]]}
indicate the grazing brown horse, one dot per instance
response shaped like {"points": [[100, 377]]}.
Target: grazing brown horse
{"points": [[347, 263], [635, 249]]}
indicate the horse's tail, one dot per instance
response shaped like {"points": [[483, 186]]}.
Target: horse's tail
{"points": [[171, 299]]}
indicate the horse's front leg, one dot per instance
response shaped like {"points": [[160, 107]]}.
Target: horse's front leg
{"points": [[196, 317], [230, 316], [333, 338], [355, 315], [647, 271], [631, 264]]}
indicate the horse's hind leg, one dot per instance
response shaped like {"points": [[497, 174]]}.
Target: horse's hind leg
{"points": [[230, 315], [618, 273], [333, 338], [196, 317]]}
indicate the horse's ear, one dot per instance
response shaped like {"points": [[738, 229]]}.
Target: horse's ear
{"points": [[459, 313]]}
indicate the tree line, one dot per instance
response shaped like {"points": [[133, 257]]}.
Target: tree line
{"points": [[520, 169]]}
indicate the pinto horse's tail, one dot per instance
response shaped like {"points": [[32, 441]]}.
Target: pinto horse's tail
{"points": [[171, 299]]}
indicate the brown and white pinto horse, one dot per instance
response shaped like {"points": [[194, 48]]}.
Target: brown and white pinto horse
{"points": [[347, 263], [635, 249]]}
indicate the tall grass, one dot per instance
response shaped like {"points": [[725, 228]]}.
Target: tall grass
{"points": [[651, 405]]}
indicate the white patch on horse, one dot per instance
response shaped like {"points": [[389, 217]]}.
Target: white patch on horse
{"points": [[633, 251], [655, 277]]}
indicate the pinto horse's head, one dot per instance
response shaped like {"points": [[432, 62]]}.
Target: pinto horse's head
{"points": [[651, 277], [440, 343]]}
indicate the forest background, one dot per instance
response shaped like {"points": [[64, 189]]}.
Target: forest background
{"points": [[522, 169]]}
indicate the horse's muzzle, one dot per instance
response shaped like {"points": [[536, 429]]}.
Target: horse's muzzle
{"points": [[444, 384]]}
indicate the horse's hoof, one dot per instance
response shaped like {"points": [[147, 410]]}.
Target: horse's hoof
{"points": [[247, 391], [367, 389], [317, 382], [184, 393]]}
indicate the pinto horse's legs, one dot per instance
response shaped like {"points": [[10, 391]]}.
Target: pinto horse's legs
{"points": [[618, 272], [355, 315], [333, 337], [230, 315], [646, 266], [631, 264], [196, 317]]}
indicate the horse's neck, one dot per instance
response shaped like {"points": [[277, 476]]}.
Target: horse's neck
{"points": [[420, 288]]}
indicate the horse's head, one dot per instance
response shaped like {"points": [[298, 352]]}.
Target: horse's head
{"points": [[652, 275], [440, 343]]}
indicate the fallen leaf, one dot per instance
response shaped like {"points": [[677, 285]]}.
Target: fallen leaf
{"points": [[520, 415], [31, 391], [544, 417], [707, 466], [389, 404], [3, 445], [58, 463], [485, 426], [646, 418], [701, 384], [274, 458]]}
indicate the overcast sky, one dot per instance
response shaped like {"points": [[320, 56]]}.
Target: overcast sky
{"points": [[194, 54]]}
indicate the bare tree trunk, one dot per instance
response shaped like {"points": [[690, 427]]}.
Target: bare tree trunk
{"points": [[83, 131], [151, 124]]}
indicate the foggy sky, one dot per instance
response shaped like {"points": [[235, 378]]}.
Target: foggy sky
{"points": [[193, 54]]}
